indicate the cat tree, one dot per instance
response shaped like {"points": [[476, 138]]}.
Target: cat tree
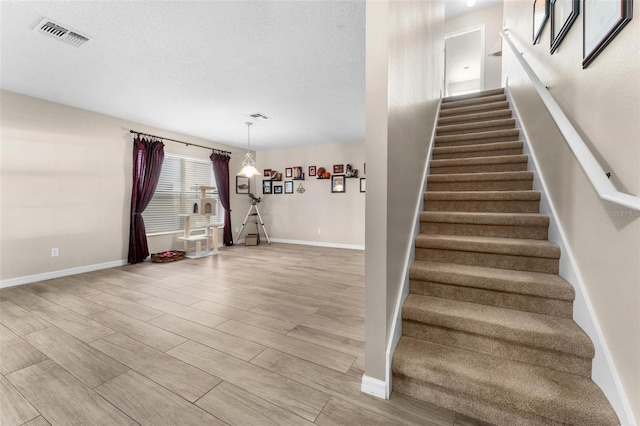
{"points": [[206, 208]]}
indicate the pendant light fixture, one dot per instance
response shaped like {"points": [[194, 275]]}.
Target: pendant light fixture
{"points": [[248, 164]]}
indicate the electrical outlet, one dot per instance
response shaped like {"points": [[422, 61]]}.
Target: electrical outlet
{"points": [[55, 252]]}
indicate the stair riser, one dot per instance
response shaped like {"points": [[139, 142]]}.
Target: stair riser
{"points": [[480, 168], [467, 404], [442, 144], [478, 128], [475, 154], [483, 230], [492, 185], [498, 348], [478, 135], [521, 302], [474, 118], [490, 260], [476, 95], [473, 102], [474, 109], [516, 206]]}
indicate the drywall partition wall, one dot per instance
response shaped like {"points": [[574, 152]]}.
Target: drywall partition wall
{"points": [[491, 18], [66, 183], [404, 77], [315, 216], [603, 104]]}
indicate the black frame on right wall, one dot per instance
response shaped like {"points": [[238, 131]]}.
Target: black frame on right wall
{"points": [[559, 26], [598, 33]]}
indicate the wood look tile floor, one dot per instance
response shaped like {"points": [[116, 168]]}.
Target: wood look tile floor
{"points": [[262, 335]]}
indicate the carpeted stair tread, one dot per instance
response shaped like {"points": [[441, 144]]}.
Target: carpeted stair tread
{"points": [[479, 116], [525, 328], [562, 398], [472, 137], [473, 101], [483, 201], [483, 93], [474, 109], [507, 246], [474, 177], [503, 280], [486, 218], [474, 161], [478, 150], [483, 195], [475, 127]]}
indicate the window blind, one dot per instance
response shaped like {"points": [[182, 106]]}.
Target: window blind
{"points": [[174, 195]]}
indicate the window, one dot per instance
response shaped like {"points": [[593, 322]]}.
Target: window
{"points": [[173, 195]]}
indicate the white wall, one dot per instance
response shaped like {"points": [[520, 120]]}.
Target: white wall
{"points": [[405, 65], [316, 216], [491, 17], [66, 183], [603, 103]]}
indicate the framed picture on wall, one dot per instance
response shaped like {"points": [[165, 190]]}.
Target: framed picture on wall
{"points": [[266, 186], [540, 17], [603, 20], [277, 189], [267, 172], [288, 187], [338, 168], [363, 185], [288, 172], [242, 185], [312, 170], [563, 14], [338, 184]]}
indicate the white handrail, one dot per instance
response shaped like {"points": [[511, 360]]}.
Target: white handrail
{"points": [[603, 186]]}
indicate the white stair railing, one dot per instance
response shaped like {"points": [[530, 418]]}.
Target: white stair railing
{"points": [[598, 178]]}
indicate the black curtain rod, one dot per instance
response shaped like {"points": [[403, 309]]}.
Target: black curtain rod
{"points": [[185, 143]]}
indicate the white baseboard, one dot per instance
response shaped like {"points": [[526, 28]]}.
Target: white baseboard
{"points": [[603, 370], [316, 243], [62, 273], [375, 387]]}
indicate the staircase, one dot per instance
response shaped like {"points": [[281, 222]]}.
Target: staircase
{"points": [[487, 328]]}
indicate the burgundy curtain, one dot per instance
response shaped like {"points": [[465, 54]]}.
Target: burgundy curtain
{"points": [[221, 170], [147, 164]]}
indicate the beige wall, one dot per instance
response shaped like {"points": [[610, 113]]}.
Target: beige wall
{"points": [[603, 103], [66, 183], [403, 81], [491, 17], [316, 216]]}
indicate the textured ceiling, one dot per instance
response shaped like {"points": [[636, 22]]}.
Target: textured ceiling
{"points": [[453, 8], [199, 68]]}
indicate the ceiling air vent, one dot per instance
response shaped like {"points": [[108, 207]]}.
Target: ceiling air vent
{"points": [[57, 31], [258, 116]]}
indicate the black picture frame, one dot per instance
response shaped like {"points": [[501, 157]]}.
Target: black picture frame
{"points": [[243, 185], [560, 21], [338, 184], [288, 187], [266, 186], [597, 35], [540, 18], [277, 189], [363, 185]]}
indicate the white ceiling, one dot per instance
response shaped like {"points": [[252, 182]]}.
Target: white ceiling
{"points": [[199, 68], [453, 8]]}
